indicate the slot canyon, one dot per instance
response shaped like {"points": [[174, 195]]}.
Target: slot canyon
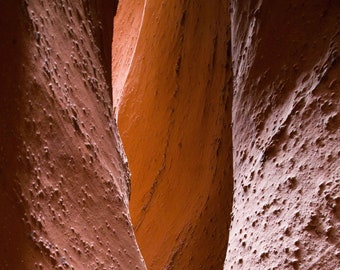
{"points": [[183, 134]]}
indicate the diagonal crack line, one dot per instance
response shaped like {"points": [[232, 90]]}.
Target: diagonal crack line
{"points": [[155, 182], [160, 172]]}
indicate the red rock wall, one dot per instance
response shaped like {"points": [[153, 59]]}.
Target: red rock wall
{"points": [[174, 118], [285, 135], [64, 180], [185, 89]]}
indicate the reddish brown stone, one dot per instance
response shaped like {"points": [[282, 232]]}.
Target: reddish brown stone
{"points": [[64, 185]]}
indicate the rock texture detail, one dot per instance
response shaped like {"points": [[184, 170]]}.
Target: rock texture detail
{"points": [[285, 135], [64, 181], [229, 114], [174, 104], [285, 131]]}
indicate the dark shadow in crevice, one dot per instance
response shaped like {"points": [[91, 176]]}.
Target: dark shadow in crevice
{"points": [[14, 237]]}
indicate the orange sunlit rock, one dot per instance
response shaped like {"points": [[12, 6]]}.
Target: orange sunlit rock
{"points": [[174, 118], [229, 115]]}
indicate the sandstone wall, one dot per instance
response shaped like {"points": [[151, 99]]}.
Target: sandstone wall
{"points": [[174, 118], [64, 179], [217, 104], [285, 135]]}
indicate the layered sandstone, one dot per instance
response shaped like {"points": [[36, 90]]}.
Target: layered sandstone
{"points": [[173, 98], [217, 102], [64, 179], [285, 130]]}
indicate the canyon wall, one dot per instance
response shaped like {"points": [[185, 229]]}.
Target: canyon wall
{"points": [[286, 109], [229, 115], [285, 131], [64, 178], [173, 98]]}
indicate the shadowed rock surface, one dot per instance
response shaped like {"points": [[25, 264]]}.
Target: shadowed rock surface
{"points": [[64, 182], [229, 115]]}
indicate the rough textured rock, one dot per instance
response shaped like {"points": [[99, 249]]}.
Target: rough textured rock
{"points": [[174, 118], [64, 180], [188, 83], [285, 135]]}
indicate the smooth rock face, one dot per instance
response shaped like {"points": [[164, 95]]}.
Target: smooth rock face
{"points": [[64, 179], [286, 109], [174, 118]]}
